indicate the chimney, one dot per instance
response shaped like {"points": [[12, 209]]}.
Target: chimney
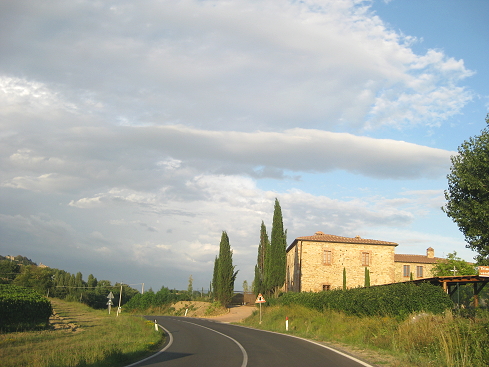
{"points": [[430, 253]]}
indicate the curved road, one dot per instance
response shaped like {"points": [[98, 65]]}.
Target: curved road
{"points": [[204, 343]]}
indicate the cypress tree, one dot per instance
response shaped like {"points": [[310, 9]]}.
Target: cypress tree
{"points": [[263, 246], [276, 257], [214, 278], [225, 272], [344, 279], [367, 277]]}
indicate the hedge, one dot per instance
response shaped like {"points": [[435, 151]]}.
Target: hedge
{"points": [[23, 308], [397, 300]]}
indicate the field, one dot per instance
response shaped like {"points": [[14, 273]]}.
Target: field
{"points": [[421, 340], [81, 336]]}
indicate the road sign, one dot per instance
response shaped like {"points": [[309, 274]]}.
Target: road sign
{"points": [[109, 303], [260, 299], [110, 296], [483, 271]]}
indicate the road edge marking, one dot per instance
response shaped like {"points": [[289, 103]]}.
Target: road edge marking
{"points": [[363, 363], [170, 342]]}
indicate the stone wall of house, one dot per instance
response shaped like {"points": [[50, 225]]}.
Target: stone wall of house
{"points": [[314, 271], [401, 276]]}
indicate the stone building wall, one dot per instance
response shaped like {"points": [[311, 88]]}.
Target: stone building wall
{"points": [[318, 275], [401, 276], [316, 263]]}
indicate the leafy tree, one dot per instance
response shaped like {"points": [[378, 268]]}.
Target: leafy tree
{"points": [[225, 272], [35, 277], [92, 281], [246, 287], [190, 288], [453, 262], [276, 257], [468, 193], [8, 271], [263, 247]]}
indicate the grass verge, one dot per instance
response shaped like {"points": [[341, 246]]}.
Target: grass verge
{"points": [[422, 341], [83, 337]]}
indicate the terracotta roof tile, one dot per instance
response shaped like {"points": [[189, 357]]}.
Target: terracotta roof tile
{"points": [[321, 237], [422, 259]]}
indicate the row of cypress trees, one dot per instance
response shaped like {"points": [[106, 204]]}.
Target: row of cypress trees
{"points": [[270, 267]]}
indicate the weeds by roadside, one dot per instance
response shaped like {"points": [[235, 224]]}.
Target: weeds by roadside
{"points": [[421, 340]]}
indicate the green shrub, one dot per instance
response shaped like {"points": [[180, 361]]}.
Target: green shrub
{"points": [[396, 300], [23, 308]]}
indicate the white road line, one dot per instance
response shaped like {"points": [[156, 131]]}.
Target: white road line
{"points": [[170, 342], [245, 355], [313, 342]]}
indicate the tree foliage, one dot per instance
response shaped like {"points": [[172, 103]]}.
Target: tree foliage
{"points": [[271, 263], [225, 274], [276, 261], [453, 262], [263, 247], [468, 193]]}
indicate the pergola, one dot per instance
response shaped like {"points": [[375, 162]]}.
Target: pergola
{"points": [[450, 283]]}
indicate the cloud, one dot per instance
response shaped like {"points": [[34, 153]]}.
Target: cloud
{"points": [[237, 65], [133, 133]]}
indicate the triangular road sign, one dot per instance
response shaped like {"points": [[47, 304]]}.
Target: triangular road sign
{"points": [[110, 296], [260, 299]]}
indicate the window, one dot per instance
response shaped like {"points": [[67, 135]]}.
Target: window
{"points": [[365, 259], [406, 270], [419, 271], [327, 257], [326, 287]]}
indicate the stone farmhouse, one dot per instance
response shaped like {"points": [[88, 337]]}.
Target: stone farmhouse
{"points": [[315, 263]]}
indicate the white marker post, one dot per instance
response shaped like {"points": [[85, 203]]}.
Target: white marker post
{"points": [[286, 323], [260, 300], [110, 303], [120, 299]]}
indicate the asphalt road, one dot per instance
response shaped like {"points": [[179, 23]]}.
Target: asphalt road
{"points": [[203, 343]]}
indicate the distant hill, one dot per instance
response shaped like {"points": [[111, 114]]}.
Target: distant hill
{"points": [[21, 260]]}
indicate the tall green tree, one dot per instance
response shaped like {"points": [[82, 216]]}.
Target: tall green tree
{"points": [[214, 278], [468, 193], [225, 272], [263, 247], [276, 257], [367, 277], [8, 271]]}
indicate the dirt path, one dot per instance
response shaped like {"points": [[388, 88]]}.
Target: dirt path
{"points": [[235, 314]]}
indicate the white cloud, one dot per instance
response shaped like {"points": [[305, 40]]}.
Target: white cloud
{"points": [[244, 65], [141, 130]]}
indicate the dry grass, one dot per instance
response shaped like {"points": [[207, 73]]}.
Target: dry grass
{"points": [[81, 336], [422, 340]]}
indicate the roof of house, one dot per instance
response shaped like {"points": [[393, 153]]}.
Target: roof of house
{"points": [[322, 237], [421, 259]]}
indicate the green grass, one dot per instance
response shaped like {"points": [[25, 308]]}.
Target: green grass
{"points": [[425, 341], [89, 338]]}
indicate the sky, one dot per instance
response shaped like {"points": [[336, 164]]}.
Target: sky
{"points": [[132, 133]]}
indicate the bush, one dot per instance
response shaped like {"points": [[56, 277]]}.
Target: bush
{"points": [[396, 300], [23, 308]]}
